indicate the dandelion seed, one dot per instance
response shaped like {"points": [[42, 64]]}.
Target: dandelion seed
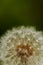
{"points": [[22, 46]]}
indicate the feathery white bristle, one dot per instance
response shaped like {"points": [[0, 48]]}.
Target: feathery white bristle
{"points": [[17, 36]]}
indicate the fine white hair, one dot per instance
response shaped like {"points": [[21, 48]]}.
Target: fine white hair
{"points": [[16, 36]]}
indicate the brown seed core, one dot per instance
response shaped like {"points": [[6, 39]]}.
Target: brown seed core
{"points": [[24, 50]]}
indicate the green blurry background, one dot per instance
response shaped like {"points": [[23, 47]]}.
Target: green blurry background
{"points": [[15, 13]]}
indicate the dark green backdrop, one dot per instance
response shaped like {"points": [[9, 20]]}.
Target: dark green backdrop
{"points": [[21, 12]]}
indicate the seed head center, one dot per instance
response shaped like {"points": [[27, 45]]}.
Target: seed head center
{"points": [[24, 50]]}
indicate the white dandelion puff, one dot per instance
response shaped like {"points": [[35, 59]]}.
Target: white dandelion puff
{"points": [[22, 46]]}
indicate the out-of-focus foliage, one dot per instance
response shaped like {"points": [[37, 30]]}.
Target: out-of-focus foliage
{"points": [[20, 12], [1, 62]]}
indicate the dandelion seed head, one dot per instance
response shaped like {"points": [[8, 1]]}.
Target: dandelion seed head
{"points": [[22, 46]]}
